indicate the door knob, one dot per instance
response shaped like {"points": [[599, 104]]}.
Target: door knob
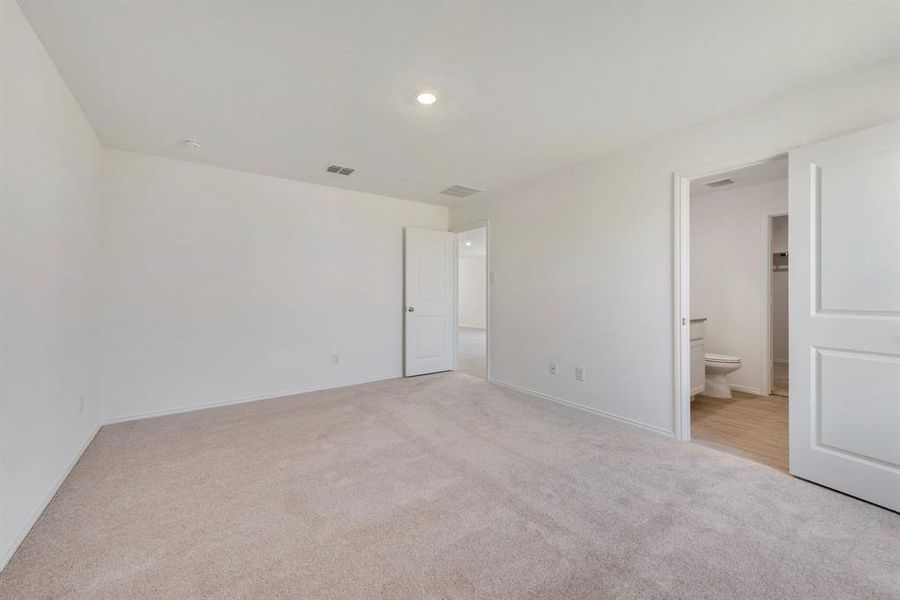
{"points": [[410, 309]]}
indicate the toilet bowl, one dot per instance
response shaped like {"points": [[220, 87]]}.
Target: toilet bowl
{"points": [[718, 366]]}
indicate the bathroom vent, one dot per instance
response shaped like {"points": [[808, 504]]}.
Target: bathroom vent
{"points": [[460, 191], [720, 183], [339, 170]]}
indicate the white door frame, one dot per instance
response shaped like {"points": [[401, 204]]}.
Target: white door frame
{"points": [[768, 337], [486, 224], [681, 279]]}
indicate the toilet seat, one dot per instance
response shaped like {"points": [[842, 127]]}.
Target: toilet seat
{"points": [[722, 358]]}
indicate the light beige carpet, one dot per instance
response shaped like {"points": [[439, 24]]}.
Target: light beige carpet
{"points": [[440, 486]]}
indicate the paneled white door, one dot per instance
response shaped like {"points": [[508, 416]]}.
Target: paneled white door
{"points": [[845, 314], [429, 294]]}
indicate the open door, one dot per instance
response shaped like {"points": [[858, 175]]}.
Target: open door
{"points": [[429, 292], [845, 314]]}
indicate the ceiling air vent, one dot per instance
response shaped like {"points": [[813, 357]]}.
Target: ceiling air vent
{"points": [[719, 183], [338, 169], [460, 191]]}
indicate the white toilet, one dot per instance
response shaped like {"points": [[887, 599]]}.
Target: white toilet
{"points": [[718, 366]]}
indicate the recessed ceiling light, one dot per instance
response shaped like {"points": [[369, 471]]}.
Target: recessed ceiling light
{"points": [[426, 98], [468, 243], [193, 144]]}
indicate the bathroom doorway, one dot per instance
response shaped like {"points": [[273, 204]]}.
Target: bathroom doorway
{"points": [[472, 301], [838, 418], [737, 237]]}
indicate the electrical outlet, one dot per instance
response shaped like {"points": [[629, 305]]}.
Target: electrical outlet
{"points": [[579, 373], [335, 358], [553, 369], [81, 405]]}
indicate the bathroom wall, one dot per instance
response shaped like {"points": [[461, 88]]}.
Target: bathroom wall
{"points": [[729, 264], [780, 293]]}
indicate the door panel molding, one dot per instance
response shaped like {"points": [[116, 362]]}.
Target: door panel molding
{"points": [[845, 314]]}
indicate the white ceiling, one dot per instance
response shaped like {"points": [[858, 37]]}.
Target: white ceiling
{"points": [[763, 172], [285, 88], [472, 242]]}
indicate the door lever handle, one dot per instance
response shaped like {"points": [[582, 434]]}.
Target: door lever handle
{"points": [[410, 309]]}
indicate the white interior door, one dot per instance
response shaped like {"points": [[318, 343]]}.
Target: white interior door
{"points": [[429, 293], [845, 314]]}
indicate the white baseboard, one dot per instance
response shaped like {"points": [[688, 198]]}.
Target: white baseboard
{"points": [[243, 400], [594, 411], [748, 390], [8, 552], [464, 326]]}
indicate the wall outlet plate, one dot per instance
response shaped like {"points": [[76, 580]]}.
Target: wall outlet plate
{"points": [[335, 358], [579, 373], [553, 369]]}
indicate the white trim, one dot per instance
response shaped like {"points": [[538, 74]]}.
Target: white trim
{"points": [[8, 552], [681, 276], [487, 273], [748, 390], [681, 307], [245, 399], [594, 411]]}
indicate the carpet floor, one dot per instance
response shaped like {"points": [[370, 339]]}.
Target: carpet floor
{"points": [[442, 486]]}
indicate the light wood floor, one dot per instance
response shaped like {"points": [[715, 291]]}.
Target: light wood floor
{"points": [[755, 427]]}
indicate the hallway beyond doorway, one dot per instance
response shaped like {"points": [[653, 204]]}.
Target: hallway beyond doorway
{"points": [[473, 351]]}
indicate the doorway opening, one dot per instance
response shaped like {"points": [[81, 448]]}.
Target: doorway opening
{"points": [[737, 256], [844, 297], [472, 301]]}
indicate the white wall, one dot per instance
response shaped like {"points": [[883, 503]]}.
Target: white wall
{"points": [[780, 321], [473, 291], [224, 285], [583, 257], [185, 284], [780, 234], [49, 162], [729, 264]]}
